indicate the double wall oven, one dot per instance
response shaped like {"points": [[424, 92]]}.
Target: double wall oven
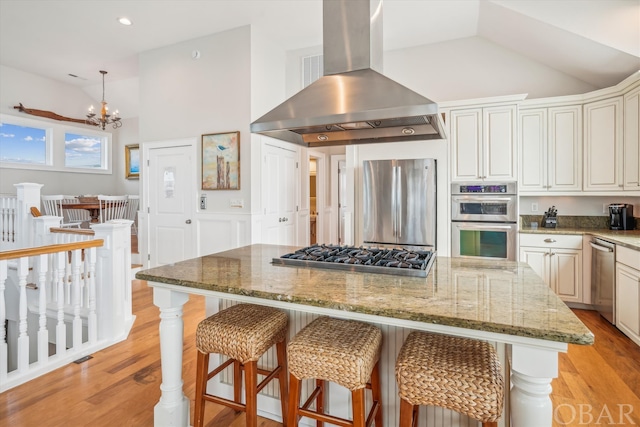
{"points": [[484, 220]]}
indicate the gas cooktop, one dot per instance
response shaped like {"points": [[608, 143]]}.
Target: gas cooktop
{"points": [[397, 261]]}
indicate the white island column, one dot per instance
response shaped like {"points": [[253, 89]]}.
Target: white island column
{"points": [[532, 371], [173, 407]]}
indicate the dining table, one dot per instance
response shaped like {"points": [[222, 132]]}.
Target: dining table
{"points": [[92, 207]]}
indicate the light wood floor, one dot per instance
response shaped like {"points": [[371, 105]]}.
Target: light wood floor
{"points": [[121, 384]]}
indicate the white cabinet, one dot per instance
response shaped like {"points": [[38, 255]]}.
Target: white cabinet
{"points": [[483, 144], [632, 140], [603, 149], [550, 142], [628, 292], [558, 261]]}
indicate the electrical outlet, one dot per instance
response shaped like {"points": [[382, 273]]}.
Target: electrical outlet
{"points": [[534, 207], [605, 208]]}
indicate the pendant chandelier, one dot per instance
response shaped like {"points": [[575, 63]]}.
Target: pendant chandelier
{"points": [[104, 118]]}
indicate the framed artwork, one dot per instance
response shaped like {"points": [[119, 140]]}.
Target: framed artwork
{"points": [[221, 161], [132, 161]]}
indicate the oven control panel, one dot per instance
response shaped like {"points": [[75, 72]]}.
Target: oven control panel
{"points": [[484, 188]]}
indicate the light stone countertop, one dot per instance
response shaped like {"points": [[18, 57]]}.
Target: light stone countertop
{"points": [[494, 296], [627, 238]]}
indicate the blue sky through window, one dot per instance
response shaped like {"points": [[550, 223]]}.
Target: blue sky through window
{"points": [[22, 144], [81, 151]]}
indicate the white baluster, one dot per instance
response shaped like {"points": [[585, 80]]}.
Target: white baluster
{"points": [[90, 272], [3, 317], [43, 334], [23, 336], [75, 290], [60, 260]]}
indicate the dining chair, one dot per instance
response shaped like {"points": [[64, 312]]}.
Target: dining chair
{"points": [[112, 207], [52, 205], [133, 202], [75, 215]]}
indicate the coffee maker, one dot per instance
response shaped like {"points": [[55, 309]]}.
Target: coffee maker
{"points": [[621, 217]]}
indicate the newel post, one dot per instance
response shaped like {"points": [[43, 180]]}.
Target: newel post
{"points": [[41, 226], [113, 280], [28, 195]]}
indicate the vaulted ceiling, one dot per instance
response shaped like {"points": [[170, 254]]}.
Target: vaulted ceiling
{"points": [[595, 41]]}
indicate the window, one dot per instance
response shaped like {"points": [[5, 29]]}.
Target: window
{"points": [[83, 151], [23, 144], [27, 143]]}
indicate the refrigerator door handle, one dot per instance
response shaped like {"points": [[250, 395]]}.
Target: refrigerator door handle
{"points": [[398, 200], [394, 195]]}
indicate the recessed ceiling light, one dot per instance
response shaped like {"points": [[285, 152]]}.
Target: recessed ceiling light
{"points": [[125, 21]]}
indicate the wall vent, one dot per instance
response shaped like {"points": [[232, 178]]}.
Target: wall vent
{"points": [[312, 69]]}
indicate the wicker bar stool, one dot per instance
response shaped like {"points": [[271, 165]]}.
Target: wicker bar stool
{"points": [[243, 333], [345, 352], [460, 374]]}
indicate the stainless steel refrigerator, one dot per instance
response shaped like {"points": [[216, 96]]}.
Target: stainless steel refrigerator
{"points": [[399, 202]]}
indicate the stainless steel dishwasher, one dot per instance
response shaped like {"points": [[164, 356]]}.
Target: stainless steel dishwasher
{"points": [[603, 278]]}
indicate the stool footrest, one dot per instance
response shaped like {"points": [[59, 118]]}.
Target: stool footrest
{"points": [[222, 401], [325, 418], [311, 398], [270, 375], [373, 412], [219, 369]]}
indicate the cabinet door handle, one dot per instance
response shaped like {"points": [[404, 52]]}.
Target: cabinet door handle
{"points": [[552, 253], [549, 240]]}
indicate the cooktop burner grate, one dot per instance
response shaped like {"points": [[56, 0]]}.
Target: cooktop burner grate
{"points": [[397, 261]]}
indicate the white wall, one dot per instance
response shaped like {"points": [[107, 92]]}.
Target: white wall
{"points": [[475, 68], [66, 100], [128, 134], [181, 97]]}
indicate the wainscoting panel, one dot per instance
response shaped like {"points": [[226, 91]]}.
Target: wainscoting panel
{"points": [[218, 232]]}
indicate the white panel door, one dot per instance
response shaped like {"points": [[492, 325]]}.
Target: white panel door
{"points": [[632, 140], [171, 183], [499, 158], [565, 148], [533, 150], [566, 274], [466, 145], [279, 195], [603, 145], [538, 260]]}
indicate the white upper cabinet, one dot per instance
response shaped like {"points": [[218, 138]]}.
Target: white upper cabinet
{"points": [[632, 140], [483, 144], [550, 149], [603, 145]]}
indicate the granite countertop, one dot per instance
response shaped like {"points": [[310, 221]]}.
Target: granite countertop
{"points": [[494, 296], [627, 238]]}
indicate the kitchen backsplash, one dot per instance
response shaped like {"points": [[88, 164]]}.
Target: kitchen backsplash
{"points": [[570, 221]]}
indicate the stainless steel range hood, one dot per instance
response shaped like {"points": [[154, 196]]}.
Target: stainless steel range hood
{"points": [[353, 103]]}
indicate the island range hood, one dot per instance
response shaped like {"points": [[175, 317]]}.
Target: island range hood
{"points": [[352, 103]]}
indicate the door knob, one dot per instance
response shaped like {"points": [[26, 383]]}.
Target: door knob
{"points": [[188, 221]]}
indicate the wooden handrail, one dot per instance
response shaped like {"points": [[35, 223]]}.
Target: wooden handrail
{"points": [[81, 231], [50, 249], [35, 211]]}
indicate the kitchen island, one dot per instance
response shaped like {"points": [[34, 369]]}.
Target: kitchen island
{"points": [[502, 302]]}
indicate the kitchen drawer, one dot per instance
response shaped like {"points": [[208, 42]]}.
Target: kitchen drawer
{"points": [[552, 241], [628, 257]]}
